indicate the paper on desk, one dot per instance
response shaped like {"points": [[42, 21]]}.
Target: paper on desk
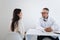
{"points": [[33, 31]]}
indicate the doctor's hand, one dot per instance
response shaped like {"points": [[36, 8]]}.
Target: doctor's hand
{"points": [[49, 29]]}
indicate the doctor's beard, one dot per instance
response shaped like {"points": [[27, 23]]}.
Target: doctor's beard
{"points": [[45, 17]]}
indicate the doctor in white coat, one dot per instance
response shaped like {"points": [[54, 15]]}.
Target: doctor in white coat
{"points": [[47, 24]]}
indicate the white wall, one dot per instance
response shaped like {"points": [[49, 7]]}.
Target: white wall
{"points": [[31, 12]]}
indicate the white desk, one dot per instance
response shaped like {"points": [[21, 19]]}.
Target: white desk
{"points": [[35, 32]]}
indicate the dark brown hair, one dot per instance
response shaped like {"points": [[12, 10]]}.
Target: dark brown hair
{"points": [[15, 19], [46, 9]]}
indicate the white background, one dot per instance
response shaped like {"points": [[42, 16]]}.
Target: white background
{"points": [[31, 12]]}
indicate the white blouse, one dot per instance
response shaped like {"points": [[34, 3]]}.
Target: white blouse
{"points": [[21, 28]]}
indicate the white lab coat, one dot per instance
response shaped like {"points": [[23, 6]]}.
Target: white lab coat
{"points": [[49, 23]]}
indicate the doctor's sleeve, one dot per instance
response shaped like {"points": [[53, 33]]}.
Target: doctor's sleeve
{"points": [[38, 25], [55, 26]]}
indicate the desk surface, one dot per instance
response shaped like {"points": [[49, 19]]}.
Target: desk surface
{"points": [[38, 32]]}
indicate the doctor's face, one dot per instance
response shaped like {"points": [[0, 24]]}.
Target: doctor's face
{"points": [[44, 13]]}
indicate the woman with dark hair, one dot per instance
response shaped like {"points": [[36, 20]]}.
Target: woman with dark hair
{"points": [[17, 30], [17, 25]]}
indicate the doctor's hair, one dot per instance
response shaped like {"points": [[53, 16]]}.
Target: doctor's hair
{"points": [[46, 9], [15, 19]]}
